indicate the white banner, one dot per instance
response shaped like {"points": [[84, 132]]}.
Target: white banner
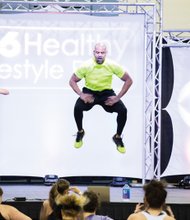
{"points": [[38, 54], [179, 111]]}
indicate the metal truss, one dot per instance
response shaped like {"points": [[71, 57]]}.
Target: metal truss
{"points": [[176, 38], [152, 160], [152, 10]]}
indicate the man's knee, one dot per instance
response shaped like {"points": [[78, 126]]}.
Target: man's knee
{"points": [[81, 106], [78, 104], [123, 110]]}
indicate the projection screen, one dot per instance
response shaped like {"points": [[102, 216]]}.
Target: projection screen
{"points": [[179, 111], [39, 53]]}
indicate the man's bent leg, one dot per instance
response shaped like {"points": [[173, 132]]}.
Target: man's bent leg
{"points": [[78, 113], [121, 117], [80, 106], [121, 110], [121, 121]]}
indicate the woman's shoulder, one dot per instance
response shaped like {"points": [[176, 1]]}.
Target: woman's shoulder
{"points": [[7, 210], [169, 218], [6, 207], [13, 213], [137, 216], [4, 212]]}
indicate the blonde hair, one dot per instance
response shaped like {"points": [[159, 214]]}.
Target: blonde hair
{"points": [[70, 205], [60, 187]]}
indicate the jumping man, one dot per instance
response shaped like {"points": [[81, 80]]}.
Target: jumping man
{"points": [[98, 73]]}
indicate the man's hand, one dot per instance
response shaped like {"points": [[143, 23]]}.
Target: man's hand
{"points": [[4, 92], [112, 100], [87, 98]]}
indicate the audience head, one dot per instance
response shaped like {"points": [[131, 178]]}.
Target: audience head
{"points": [[155, 194], [71, 205], [91, 201], [60, 187], [1, 194], [1, 191]]}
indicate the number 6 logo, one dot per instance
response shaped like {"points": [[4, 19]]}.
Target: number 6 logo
{"points": [[9, 45]]}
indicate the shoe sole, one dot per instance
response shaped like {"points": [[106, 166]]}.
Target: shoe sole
{"points": [[121, 150], [78, 144]]}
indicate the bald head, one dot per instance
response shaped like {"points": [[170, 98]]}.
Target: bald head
{"points": [[100, 45], [100, 52]]}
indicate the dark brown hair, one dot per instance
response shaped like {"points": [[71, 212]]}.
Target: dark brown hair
{"points": [[1, 191], [155, 193], [92, 202]]}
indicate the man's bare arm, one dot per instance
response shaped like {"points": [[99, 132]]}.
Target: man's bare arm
{"points": [[73, 83], [87, 98], [127, 84]]}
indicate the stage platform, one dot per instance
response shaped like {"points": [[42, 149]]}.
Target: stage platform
{"points": [[117, 208]]}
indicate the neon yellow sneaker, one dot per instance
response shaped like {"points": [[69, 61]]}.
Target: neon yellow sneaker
{"points": [[121, 149], [119, 143], [79, 137]]}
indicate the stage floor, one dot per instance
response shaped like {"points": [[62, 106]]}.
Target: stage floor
{"points": [[40, 192]]}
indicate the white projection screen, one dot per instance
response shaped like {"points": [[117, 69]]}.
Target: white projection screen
{"points": [[179, 111], [38, 55]]}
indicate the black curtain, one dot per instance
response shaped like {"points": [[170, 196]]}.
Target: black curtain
{"points": [[166, 121]]}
